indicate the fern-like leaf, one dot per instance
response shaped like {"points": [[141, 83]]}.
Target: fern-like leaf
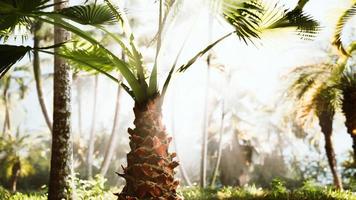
{"points": [[9, 55], [346, 16], [91, 14]]}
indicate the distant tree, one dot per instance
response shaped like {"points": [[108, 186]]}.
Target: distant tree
{"points": [[322, 90], [13, 162], [39, 36]]}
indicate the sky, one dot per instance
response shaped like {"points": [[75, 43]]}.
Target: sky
{"points": [[256, 74]]}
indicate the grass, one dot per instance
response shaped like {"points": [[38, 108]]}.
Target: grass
{"points": [[308, 191], [278, 191]]}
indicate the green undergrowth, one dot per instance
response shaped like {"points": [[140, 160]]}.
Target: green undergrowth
{"points": [[309, 191], [94, 190]]}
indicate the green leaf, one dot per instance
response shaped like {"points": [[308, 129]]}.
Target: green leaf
{"points": [[13, 13], [345, 17], [91, 54], [121, 65], [296, 18], [91, 14], [244, 16], [201, 53], [9, 55]]}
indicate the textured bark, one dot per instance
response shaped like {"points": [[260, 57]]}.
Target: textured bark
{"points": [[150, 167], [61, 157], [109, 152], [90, 154], [349, 109], [16, 169], [325, 122], [37, 75]]}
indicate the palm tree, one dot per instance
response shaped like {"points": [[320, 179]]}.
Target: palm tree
{"points": [[13, 163], [61, 158], [312, 96], [37, 37], [322, 90], [348, 87], [150, 169]]}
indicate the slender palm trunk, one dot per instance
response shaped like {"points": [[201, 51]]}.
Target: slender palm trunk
{"points": [[325, 122], [79, 101], [349, 109], [7, 123], [150, 167], [204, 149], [90, 154], [37, 75], [109, 152], [16, 169], [61, 157], [221, 133]]}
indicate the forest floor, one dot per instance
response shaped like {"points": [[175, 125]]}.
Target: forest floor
{"points": [[277, 192]]}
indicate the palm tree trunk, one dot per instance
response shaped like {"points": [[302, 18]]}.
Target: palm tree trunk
{"points": [[349, 109], [204, 149], [92, 132], [7, 124], [325, 122], [37, 75], [109, 152], [150, 167], [218, 160], [61, 157], [16, 169]]}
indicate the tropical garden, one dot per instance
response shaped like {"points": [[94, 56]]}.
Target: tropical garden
{"points": [[177, 99]]}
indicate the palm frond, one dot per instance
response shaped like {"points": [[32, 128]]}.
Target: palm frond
{"points": [[91, 14], [244, 16], [184, 67], [13, 13], [345, 17], [276, 18], [90, 54], [9, 55]]}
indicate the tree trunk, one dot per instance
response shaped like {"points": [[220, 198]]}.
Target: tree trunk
{"points": [[218, 160], [204, 148], [7, 124], [349, 109], [37, 75], [150, 167], [61, 157], [91, 147], [325, 122], [16, 169], [109, 152]]}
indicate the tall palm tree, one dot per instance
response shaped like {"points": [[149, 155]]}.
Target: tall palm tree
{"points": [[150, 170], [61, 154], [322, 90]]}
